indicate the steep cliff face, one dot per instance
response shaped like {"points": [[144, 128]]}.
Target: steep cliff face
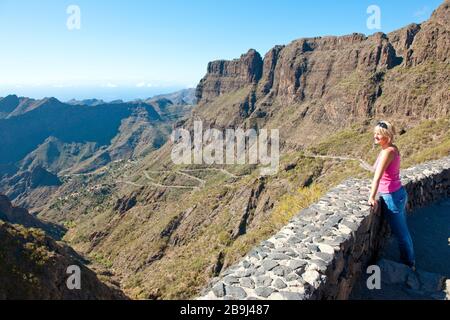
{"points": [[270, 63], [335, 80], [227, 76], [308, 68], [403, 39], [420, 88], [432, 43], [304, 70]]}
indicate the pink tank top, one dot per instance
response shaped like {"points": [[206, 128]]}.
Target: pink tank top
{"points": [[390, 180]]}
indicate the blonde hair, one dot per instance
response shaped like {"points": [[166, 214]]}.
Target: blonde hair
{"points": [[388, 132]]}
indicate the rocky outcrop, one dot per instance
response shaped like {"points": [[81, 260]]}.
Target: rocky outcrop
{"points": [[432, 43], [270, 63], [124, 204], [301, 70], [403, 39], [313, 69], [227, 76], [41, 177], [22, 183], [334, 81], [419, 87], [35, 267], [15, 215], [244, 205]]}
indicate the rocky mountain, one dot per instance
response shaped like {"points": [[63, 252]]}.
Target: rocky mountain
{"points": [[51, 118], [331, 82], [86, 102], [44, 140], [13, 106], [164, 230], [7, 105], [34, 267], [15, 215], [182, 97]]}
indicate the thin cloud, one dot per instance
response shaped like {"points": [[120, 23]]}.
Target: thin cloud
{"points": [[144, 84], [110, 85], [62, 85], [422, 13]]}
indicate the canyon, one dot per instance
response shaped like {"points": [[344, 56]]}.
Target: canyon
{"points": [[164, 230]]}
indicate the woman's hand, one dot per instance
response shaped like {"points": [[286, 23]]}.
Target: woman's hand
{"points": [[374, 206], [373, 202]]}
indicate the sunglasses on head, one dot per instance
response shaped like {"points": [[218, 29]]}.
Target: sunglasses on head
{"points": [[382, 125]]}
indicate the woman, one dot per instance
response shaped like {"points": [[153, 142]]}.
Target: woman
{"points": [[387, 182]]}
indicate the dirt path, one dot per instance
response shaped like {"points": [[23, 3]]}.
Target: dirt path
{"points": [[202, 182], [362, 163]]}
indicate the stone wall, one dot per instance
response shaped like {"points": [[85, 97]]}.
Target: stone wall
{"points": [[323, 250]]}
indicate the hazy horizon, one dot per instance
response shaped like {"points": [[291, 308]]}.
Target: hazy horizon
{"points": [[125, 93]]}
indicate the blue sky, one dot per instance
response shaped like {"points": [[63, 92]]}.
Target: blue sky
{"points": [[137, 48]]}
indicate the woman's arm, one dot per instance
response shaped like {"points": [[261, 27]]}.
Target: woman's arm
{"points": [[386, 158]]}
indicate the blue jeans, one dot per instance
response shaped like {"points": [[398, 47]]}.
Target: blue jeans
{"points": [[393, 207]]}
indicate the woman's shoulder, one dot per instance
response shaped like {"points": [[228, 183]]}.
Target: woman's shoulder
{"points": [[394, 150], [391, 151]]}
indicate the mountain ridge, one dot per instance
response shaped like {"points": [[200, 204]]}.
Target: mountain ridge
{"points": [[62, 139], [333, 80]]}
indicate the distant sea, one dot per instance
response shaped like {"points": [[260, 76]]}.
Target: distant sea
{"points": [[80, 93]]}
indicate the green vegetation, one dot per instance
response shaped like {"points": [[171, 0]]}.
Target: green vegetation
{"points": [[429, 140], [356, 141], [23, 258], [225, 116], [356, 81], [99, 258], [415, 83]]}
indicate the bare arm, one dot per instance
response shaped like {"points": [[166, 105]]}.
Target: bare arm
{"points": [[386, 158]]}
